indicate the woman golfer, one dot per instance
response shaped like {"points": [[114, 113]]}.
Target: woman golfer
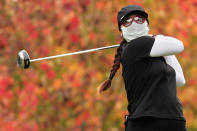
{"points": [[151, 73]]}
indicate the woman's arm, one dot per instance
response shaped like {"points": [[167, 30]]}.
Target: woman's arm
{"points": [[173, 62], [165, 45]]}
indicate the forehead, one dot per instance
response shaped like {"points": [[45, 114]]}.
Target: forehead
{"points": [[132, 14]]}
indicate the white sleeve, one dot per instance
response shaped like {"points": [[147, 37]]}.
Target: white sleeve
{"points": [[173, 62], [165, 45]]}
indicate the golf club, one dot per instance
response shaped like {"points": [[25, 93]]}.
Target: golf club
{"points": [[23, 59]]}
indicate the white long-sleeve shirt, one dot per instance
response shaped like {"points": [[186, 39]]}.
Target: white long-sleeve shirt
{"points": [[167, 47], [173, 62]]}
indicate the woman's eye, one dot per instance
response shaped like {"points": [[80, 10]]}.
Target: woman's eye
{"points": [[129, 20], [137, 18]]}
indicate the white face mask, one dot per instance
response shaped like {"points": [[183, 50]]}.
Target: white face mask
{"points": [[134, 31]]}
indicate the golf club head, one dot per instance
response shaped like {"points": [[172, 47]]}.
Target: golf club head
{"points": [[23, 60]]}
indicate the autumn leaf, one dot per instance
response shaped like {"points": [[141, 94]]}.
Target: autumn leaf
{"points": [[3, 42], [100, 5], [51, 74], [75, 38], [74, 22]]}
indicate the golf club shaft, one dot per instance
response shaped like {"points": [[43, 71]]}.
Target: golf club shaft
{"points": [[74, 53]]}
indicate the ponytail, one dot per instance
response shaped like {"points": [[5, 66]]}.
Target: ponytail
{"points": [[106, 84]]}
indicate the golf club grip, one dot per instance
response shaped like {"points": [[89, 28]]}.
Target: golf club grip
{"points": [[74, 53]]}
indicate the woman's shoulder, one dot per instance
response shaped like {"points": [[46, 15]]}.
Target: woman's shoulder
{"points": [[142, 39]]}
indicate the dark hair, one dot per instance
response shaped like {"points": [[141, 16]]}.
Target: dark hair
{"points": [[106, 84]]}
